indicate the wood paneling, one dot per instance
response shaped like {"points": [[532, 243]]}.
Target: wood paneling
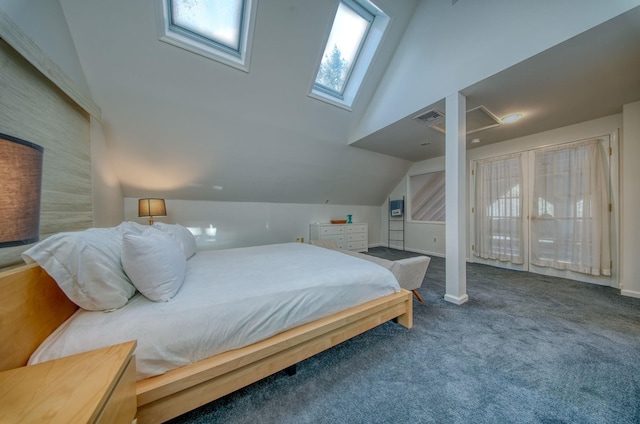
{"points": [[34, 109]]}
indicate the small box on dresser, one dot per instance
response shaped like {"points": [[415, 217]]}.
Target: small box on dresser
{"points": [[346, 236]]}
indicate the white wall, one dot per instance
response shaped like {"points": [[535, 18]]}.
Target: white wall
{"points": [[108, 202], [240, 224], [44, 23], [630, 201], [569, 133], [420, 236], [448, 47]]}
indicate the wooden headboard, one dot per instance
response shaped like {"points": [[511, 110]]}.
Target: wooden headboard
{"points": [[32, 307]]}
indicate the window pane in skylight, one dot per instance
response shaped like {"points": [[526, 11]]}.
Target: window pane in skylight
{"points": [[345, 40], [217, 20]]}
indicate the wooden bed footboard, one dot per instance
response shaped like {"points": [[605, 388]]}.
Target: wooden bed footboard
{"points": [[34, 306], [176, 392]]}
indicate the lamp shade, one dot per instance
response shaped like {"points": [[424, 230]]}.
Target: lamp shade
{"points": [[20, 186], [151, 208]]}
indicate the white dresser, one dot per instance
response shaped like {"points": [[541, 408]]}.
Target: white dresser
{"points": [[347, 236]]}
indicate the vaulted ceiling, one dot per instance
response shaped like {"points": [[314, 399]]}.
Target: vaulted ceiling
{"points": [[181, 126]]}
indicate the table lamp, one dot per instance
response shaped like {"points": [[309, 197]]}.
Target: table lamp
{"points": [[151, 207], [20, 186]]}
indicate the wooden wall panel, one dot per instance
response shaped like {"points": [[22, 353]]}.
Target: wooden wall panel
{"points": [[34, 109]]}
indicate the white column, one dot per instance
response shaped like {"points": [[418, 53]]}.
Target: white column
{"points": [[456, 193], [630, 201]]}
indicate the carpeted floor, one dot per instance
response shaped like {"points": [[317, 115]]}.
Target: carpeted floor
{"points": [[524, 349]]}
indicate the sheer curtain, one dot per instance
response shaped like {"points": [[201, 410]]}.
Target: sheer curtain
{"points": [[498, 215], [569, 209]]}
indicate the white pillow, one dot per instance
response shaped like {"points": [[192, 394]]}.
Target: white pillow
{"points": [[181, 235], [154, 262], [131, 227], [86, 265]]}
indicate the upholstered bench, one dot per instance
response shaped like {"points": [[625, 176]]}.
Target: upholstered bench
{"points": [[409, 272]]}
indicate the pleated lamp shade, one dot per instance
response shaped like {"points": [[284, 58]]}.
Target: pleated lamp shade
{"points": [[151, 207], [20, 186]]}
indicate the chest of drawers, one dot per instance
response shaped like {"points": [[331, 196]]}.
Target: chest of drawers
{"points": [[346, 236]]}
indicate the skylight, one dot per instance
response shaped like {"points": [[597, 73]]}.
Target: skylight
{"points": [[355, 34], [218, 22], [347, 35], [217, 29]]}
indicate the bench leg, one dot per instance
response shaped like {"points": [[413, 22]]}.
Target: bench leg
{"points": [[418, 295]]}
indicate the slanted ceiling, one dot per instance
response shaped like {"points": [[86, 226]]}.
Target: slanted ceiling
{"points": [[181, 126]]}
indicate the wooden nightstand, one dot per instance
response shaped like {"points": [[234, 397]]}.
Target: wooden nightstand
{"points": [[93, 387]]}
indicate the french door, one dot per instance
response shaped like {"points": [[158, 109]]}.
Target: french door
{"points": [[545, 210]]}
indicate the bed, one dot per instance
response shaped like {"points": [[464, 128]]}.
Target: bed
{"points": [[36, 309]]}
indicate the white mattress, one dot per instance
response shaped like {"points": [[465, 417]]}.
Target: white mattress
{"points": [[229, 299]]}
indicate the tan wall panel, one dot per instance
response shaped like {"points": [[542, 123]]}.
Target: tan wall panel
{"points": [[34, 109]]}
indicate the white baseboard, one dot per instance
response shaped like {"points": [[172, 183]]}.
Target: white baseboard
{"points": [[630, 293], [455, 299], [423, 252], [426, 252]]}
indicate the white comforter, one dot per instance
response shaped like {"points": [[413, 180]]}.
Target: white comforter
{"points": [[229, 299]]}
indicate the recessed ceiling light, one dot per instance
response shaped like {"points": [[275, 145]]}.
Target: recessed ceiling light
{"points": [[512, 118]]}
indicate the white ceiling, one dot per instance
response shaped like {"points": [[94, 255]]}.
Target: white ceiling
{"points": [[589, 76], [181, 126]]}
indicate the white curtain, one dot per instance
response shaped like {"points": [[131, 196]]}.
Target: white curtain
{"points": [[498, 215], [569, 210]]}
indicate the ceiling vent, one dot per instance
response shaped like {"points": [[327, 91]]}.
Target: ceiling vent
{"points": [[430, 117], [478, 119]]}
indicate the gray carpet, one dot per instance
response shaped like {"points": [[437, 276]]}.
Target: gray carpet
{"points": [[524, 349]]}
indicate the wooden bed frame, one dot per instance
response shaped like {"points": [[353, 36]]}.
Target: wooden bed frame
{"points": [[33, 306]]}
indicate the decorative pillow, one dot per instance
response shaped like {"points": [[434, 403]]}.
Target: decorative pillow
{"points": [[155, 263], [86, 265], [181, 235], [131, 227]]}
